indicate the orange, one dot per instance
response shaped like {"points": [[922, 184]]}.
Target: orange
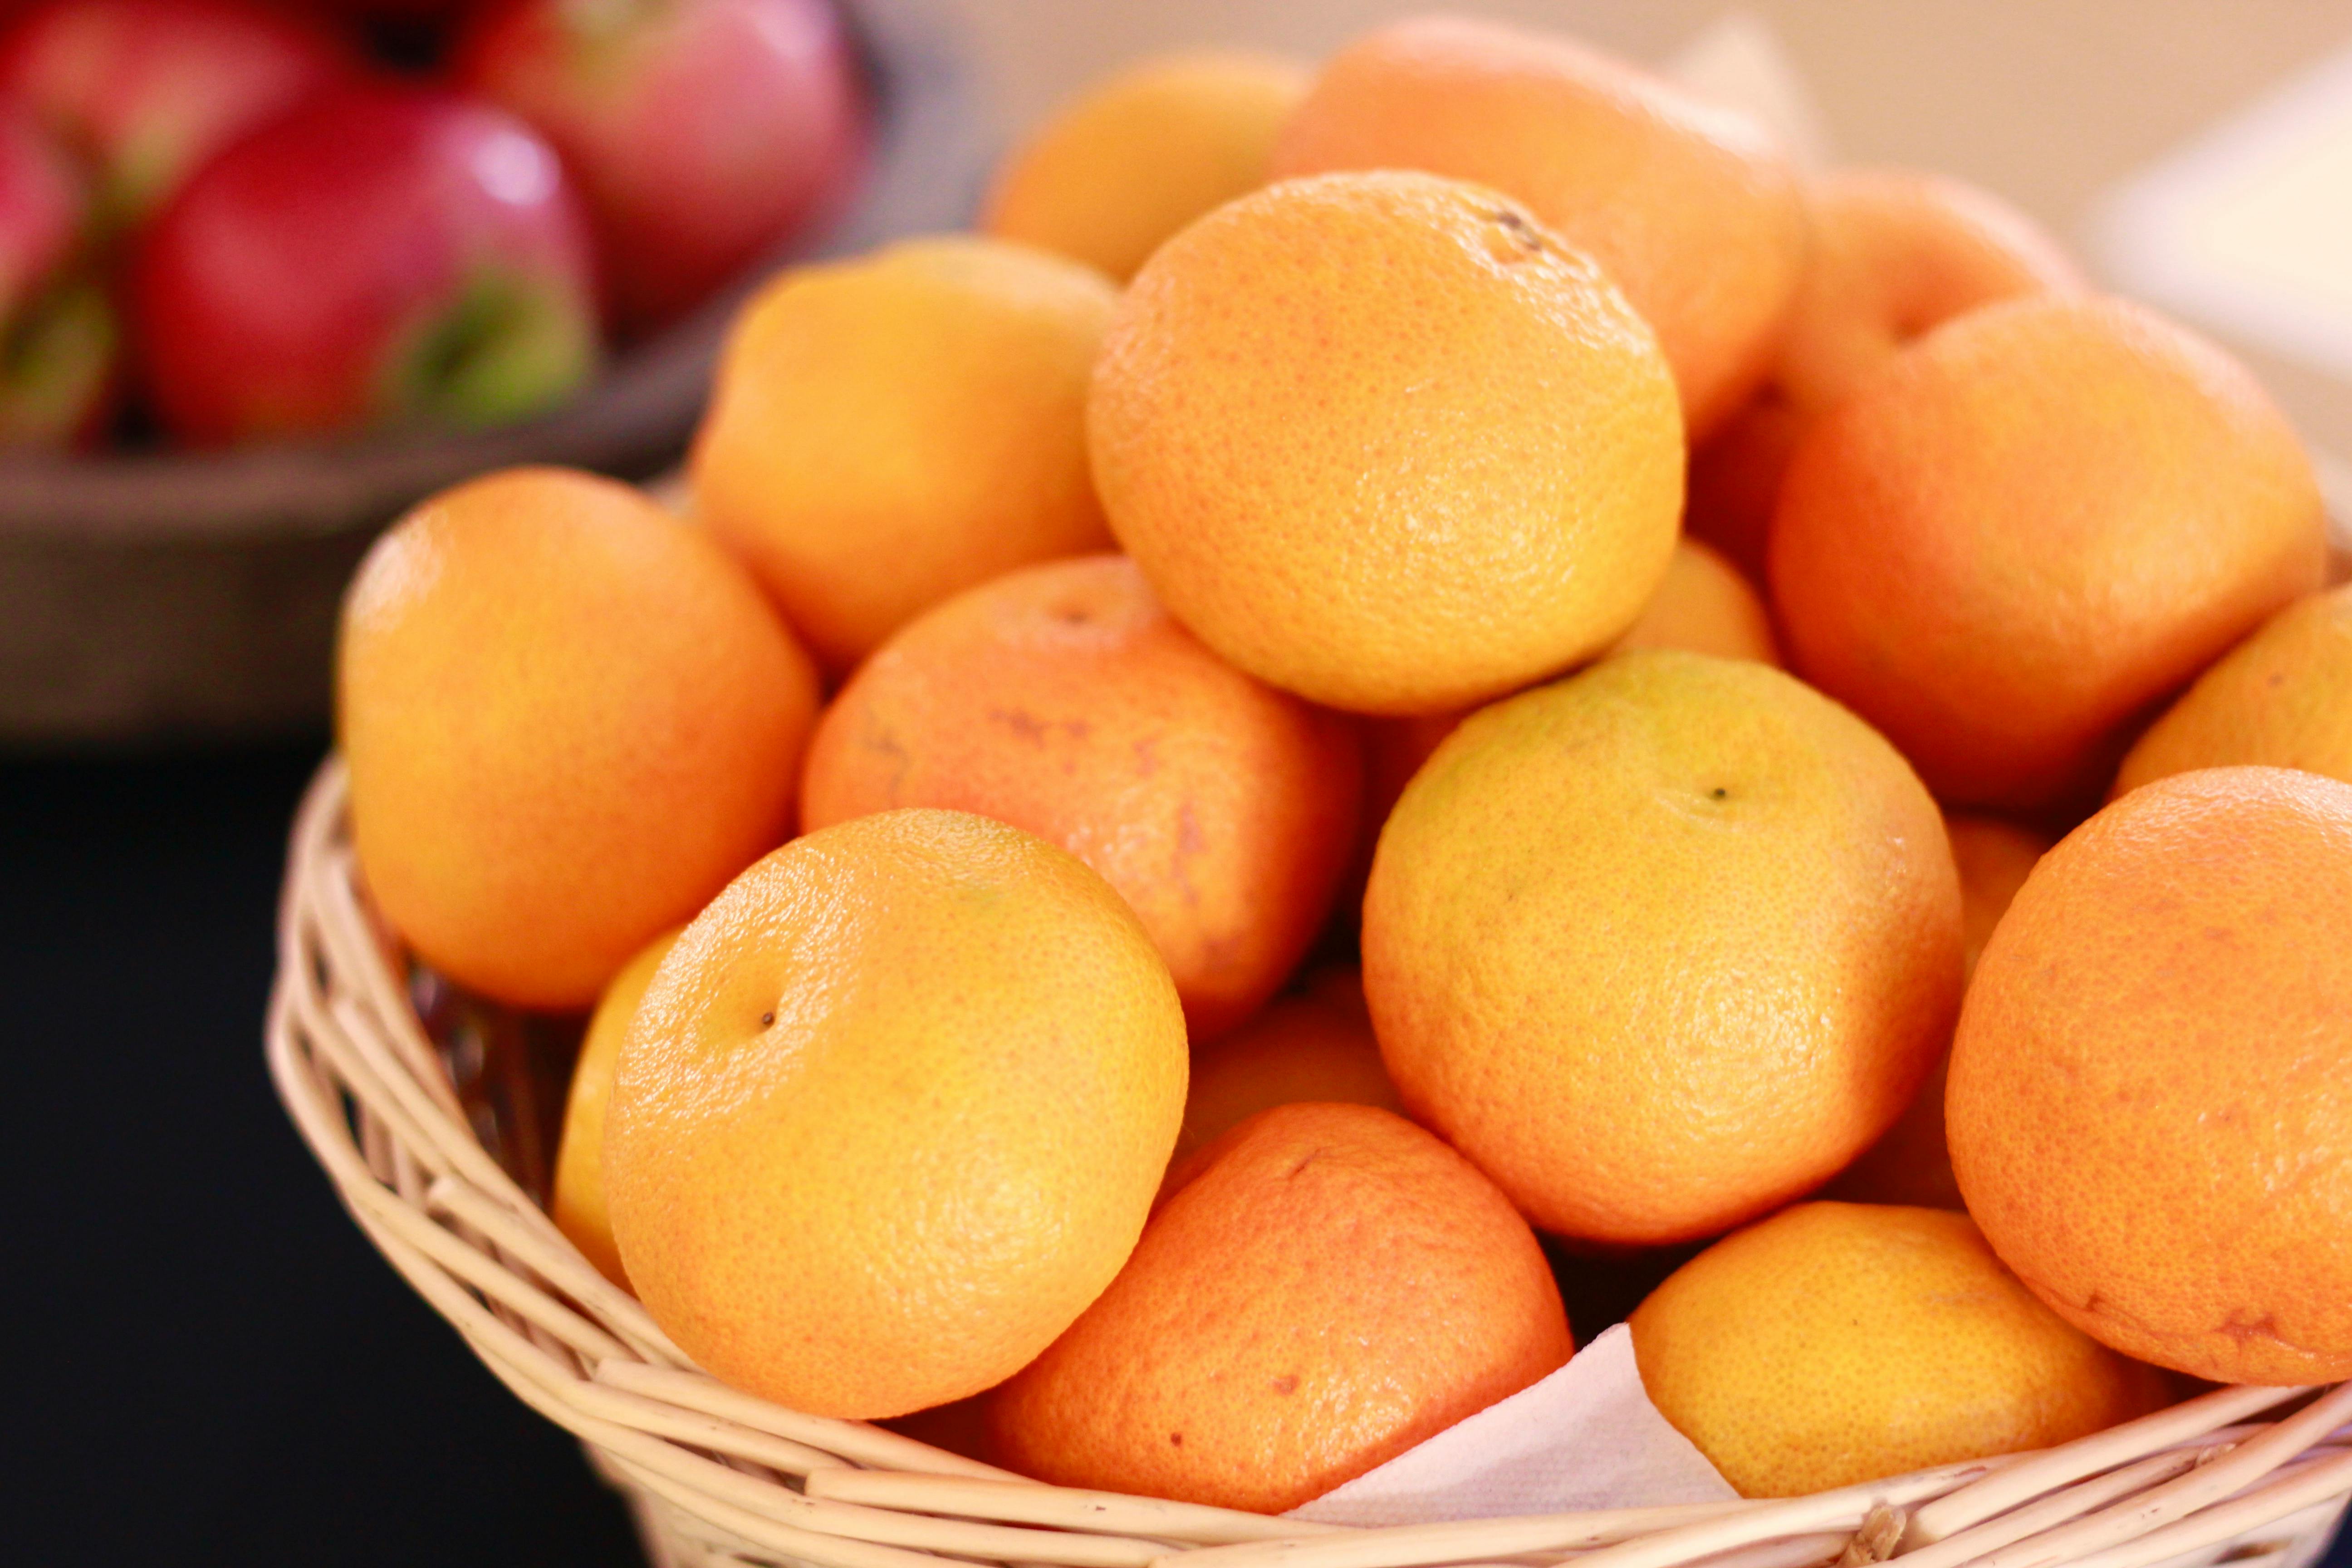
{"points": [[2146, 1106], [578, 1207], [892, 1112], [1661, 946], [1705, 605], [2282, 698], [1333, 1287], [1835, 1344], [1314, 1046], [1064, 699], [2035, 521], [569, 718], [1734, 480], [1897, 253], [1911, 1163], [1690, 207], [1380, 440], [1143, 153], [887, 431]]}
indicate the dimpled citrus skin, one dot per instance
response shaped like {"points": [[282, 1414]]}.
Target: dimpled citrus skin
{"points": [[1705, 605], [2281, 699], [2148, 1108], [1062, 698], [578, 1204], [1910, 1164], [2026, 527], [892, 1113], [1379, 440], [887, 431], [1690, 207], [1897, 252], [1314, 1046], [1143, 153], [569, 719], [1834, 1343], [1334, 1287], [1663, 945]]}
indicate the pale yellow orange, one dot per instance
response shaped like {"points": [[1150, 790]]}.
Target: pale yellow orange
{"points": [[892, 1112], [1705, 605], [578, 1202], [1663, 945], [2281, 699], [887, 431], [1835, 1344], [1140, 154]]}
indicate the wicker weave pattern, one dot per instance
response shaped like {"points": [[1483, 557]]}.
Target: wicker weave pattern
{"points": [[716, 1477]]}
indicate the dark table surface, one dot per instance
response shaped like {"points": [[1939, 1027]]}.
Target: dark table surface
{"points": [[208, 1355]]}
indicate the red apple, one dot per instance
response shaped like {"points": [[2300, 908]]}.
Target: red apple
{"points": [[147, 89], [703, 132], [57, 334], [382, 255]]}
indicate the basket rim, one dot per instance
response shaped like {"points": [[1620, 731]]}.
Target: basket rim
{"points": [[367, 1091]]}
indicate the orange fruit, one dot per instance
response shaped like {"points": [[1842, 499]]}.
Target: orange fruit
{"points": [[1705, 605], [2030, 525], [1333, 1287], [892, 1112], [1380, 440], [1835, 1344], [1064, 699], [1316, 1044], [1141, 153], [1734, 480], [2281, 699], [1690, 207], [1911, 1164], [1897, 253], [569, 719], [578, 1207], [887, 431], [1661, 946], [2147, 1105]]}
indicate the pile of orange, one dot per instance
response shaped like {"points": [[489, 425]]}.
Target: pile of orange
{"points": [[1202, 765]]}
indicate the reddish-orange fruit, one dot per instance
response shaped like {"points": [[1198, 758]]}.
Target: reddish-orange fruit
{"points": [[1705, 605], [2146, 1106], [1380, 440], [569, 718], [1333, 1287], [1663, 945], [1064, 699], [892, 1112], [2281, 699], [1911, 1164], [2034, 522], [1690, 207], [1314, 1046], [1897, 253], [1734, 480]]}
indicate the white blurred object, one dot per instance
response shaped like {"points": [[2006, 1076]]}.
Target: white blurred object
{"points": [[1738, 61], [1585, 1438], [2249, 227]]}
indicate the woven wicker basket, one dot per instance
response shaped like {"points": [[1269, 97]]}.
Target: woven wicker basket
{"points": [[716, 1477]]}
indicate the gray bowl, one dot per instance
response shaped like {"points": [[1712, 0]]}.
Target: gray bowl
{"points": [[177, 596]]}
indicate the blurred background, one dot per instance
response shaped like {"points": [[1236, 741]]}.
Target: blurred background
{"points": [[219, 1361]]}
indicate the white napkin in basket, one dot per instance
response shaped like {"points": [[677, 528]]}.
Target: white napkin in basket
{"points": [[1585, 1438]]}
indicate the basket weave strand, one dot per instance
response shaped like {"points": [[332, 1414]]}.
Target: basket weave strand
{"points": [[716, 1477]]}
